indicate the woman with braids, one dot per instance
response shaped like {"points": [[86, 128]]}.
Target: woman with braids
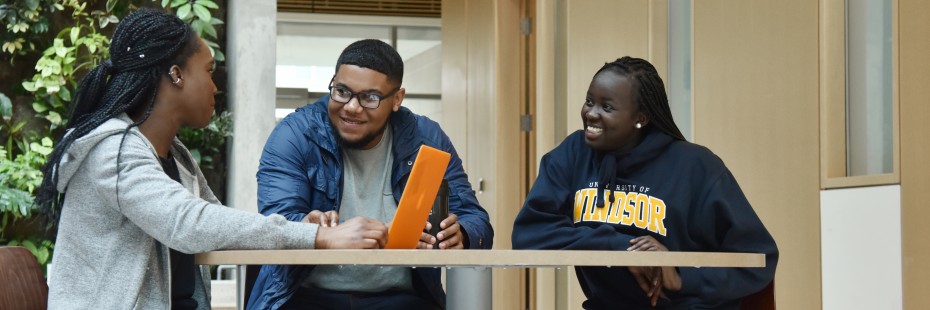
{"points": [[131, 204], [631, 182]]}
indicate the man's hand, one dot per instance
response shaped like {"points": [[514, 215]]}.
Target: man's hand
{"points": [[327, 219], [356, 233], [450, 237]]}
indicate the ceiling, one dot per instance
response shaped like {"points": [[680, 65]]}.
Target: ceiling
{"points": [[411, 8]]}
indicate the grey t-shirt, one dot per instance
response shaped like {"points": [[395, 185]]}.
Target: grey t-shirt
{"points": [[366, 191]]}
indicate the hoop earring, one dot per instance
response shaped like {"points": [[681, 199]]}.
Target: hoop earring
{"points": [[177, 82]]}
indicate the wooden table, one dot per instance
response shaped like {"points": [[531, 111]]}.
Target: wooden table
{"points": [[478, 260]]}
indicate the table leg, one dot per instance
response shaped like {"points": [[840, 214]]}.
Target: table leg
{"points": [[240, 286], [468, 288]]}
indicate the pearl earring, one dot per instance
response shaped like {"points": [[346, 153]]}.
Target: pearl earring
{"points": [[638, 125]]}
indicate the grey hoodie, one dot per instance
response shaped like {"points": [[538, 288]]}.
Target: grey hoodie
{"points": [[113, 241]]}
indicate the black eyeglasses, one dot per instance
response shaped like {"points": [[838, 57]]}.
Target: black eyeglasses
{"points": [[343, 95]]}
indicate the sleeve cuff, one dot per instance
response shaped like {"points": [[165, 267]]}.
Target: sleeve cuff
{"points": [[690, 281]]}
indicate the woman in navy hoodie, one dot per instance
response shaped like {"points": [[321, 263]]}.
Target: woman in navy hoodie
{"points": [[630, 181]]}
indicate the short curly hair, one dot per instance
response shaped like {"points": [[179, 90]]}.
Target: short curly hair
{"points": [[375, 55]]}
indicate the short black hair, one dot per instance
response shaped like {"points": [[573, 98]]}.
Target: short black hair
{"points": [[375, 55]]}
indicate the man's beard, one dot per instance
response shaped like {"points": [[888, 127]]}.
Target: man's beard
{"points": [[361, 142]]}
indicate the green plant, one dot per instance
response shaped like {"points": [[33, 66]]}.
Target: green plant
{"points": [[19, 177], [197, 14], [25, 22], [209, 140], [55, 78], [65, 38]]}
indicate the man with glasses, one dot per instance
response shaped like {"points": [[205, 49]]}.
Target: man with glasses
{"points": [[349, 154]]}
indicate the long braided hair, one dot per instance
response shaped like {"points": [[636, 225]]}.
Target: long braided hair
{"points": [[649, 92], [143, 48], [649, 95]]}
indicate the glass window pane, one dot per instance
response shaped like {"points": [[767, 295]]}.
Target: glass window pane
{"points": [[869, 140], [679, 64], [307, 54]]}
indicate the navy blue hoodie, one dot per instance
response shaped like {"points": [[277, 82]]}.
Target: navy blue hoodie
{"points": [[676, 191]]}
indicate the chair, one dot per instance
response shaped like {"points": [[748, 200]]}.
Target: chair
{"points": [[761, 300], [22, 285]]}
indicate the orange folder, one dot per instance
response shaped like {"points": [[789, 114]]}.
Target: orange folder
{"points": [[417, 199]]}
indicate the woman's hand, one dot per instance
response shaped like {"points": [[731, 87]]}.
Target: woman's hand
{"points": [[325, 219], [356, 233], [654, 279]]}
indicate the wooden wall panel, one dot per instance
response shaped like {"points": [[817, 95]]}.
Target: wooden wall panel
{"points": [[480, 68], [598, 32], [756, 106], [914, 26]]}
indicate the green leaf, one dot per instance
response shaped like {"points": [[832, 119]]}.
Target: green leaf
{"points": [[18, 126], [29, 245], [184, 11], [6, 106], [164, 3], [74, 34], [65, 94], [39, 107], [216, 21], [41, 149], [30, 86], [32, 4], [209, 30], [110, 5], [198, 26], [202, 12], [54, 117], [42, 255], [208, 3], [177, 3], [219, 56]]}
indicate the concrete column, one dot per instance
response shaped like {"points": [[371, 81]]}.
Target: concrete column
{"points": [[250, 56]]}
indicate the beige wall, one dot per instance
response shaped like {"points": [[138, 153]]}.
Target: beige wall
{"points": [[756, 106], [480, 44], [599, 32], [756, 69], [577, 39], [756, 98], [914, 25]]}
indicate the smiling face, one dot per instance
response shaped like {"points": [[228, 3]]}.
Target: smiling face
{"points": [[360, 127], [198, 91], [610, 113]]}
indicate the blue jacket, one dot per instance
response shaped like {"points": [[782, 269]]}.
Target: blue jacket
{"points": [[301, 170], [678, 192]]}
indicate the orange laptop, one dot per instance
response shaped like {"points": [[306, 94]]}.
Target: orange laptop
{"points": [[417, 199]]}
